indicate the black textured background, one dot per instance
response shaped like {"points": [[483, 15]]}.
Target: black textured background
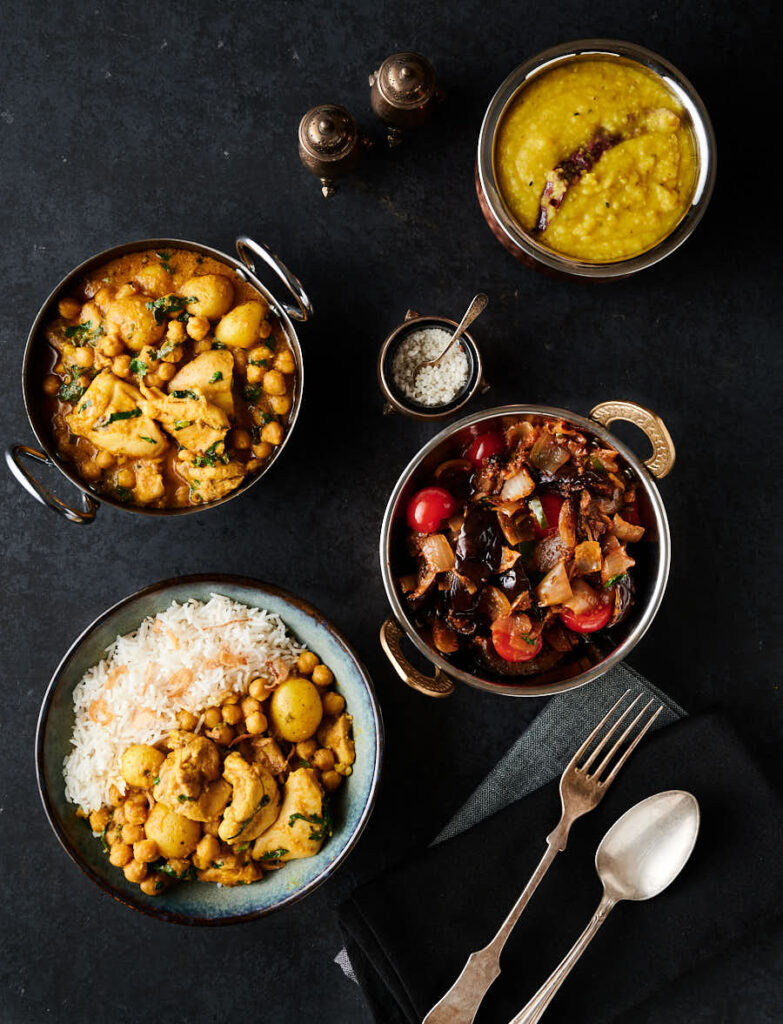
{"points": [[122, 121]]}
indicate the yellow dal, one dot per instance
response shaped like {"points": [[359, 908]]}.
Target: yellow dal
{"points": [[636, 193]]}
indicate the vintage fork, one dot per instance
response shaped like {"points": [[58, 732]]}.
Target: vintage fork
{"points": [[580, 791]]}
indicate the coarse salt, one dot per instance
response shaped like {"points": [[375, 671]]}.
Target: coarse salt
{"points": [[432, 385]]}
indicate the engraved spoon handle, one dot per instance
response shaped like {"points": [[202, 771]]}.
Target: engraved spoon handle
{"points": [[460, 1004], [476, 307]]}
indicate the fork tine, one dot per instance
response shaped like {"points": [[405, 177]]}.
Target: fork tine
{"points": [[608, 735], [574, 760], [610, 778], [621, 739]]}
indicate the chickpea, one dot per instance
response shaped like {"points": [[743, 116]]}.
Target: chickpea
{"points": [[240, 360], [232, 714], [152, 380], [69, 308], [120, 854], [119, 815], [83, 380], [280, 404], [126, 478], [99, 819], [265, 329], [258, 690], [90, 312], [136, 811], [306, 749], [187, 720], [255, 374], [102, 298], [333, 703], [323, 760], [146, 851], [260, 354], [222, 734], [174, 355], [274, 383], [105, 460], [135, 871], [120, 366], [115, 797], [211, 827], [88, 470], [51, 384], [197, 327], [330, 780], [166, 371], [256, 723], [284, 361], [272, 433], [322, 676], [202, 346], [306, 662], [250, 706], [132, 834], [241, 439], [179, 864], [208, 849], [175, 331], [252, 465], [152, 885], [84, 357], [262, 450], [110, 346], [212, 717]]}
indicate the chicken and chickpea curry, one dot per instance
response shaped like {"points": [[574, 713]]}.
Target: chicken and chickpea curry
{"points": [[237, 794], [172, 379]]}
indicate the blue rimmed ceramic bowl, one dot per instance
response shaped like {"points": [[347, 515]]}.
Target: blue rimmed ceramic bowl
{"points": [[196, 902]]}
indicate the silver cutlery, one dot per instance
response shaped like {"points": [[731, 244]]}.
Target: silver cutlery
{"points": [[477, 306], [580, 791], [640, 855]]}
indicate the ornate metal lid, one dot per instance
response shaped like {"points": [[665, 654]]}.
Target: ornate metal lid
{"points": [[328, 133], [406, 79]]}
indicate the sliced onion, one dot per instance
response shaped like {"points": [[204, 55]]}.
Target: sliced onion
{"points": [[453, 466], [518, 486], [407, 583], [626, 531], [587, 557], [445, 639], [426, 578], [584, 598], [566, 524], [516, 529], [555, 587], [616, 560], [522, 431], [508, 558], [437, 552], [495, 604], [547, 455]]}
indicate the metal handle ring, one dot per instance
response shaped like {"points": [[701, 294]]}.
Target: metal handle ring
{"points": [[664, 453], [13, 458], [438, 685], [246, 246]]}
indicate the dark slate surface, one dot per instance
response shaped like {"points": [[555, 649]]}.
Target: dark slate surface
{"points": [[119, 123]]}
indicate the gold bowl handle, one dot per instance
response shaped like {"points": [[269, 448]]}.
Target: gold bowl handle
{"points": [[662, 459], [438, 685]]}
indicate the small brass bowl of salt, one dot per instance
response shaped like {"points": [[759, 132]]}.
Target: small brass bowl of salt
{"points": [[430, 392]]}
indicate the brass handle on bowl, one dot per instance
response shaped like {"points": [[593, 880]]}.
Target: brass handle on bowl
{"points": [[13, 458], [438, 685], [662, 459], [247, 248]]}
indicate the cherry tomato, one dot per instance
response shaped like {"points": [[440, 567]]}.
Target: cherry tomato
{"points": [[590, 621], [484, 445], [551, 505], [512, 645], [428, 508]]}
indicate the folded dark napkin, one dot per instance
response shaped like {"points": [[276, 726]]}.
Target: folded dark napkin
{"points": [[409, 932]]}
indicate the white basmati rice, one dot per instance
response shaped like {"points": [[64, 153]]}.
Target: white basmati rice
{"points": [[188, 656]]}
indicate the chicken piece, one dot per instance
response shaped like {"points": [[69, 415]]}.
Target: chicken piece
{"points": [[211, 804], [195, 423], [335, 734], [264, 750], [149, 481], [300, 828], [109, 414], [212, 373], [254, 803], [209, 482], [231, 871], [130, 317], [185, 774]]}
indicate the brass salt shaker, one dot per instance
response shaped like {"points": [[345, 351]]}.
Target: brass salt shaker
{"points": [[329, 144], [403, 93]]}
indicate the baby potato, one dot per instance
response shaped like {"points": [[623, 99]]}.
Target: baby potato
{"points": [[239, 328], [176, 836], [296, 709], [140, 764], [130, 318], [154, 279], [213, 293]]}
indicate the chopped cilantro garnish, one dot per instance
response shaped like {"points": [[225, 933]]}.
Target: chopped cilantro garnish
{"points": [[81, 334], [216, 376], [164, 258], [275, 854], [181, 424], [252, 392], [138, 367], [184, 394], [72, 391], [129, 414], [321, 826], [615, 579], [218, 344], [149, 440], [168, 304], [123, 493]]}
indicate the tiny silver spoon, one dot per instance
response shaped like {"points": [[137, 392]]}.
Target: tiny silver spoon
{"points": [[476, 307], [640, 855]]}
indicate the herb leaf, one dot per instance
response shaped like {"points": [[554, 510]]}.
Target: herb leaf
{"points": [[129, 414], [168, 304], [138, 367], [275, 854], [216, 376]]}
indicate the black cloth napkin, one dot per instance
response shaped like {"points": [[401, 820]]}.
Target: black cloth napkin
{"points": [[409, 932]]}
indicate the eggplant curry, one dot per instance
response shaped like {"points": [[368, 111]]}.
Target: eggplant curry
{"points": [[517, 551], [171, 379]]}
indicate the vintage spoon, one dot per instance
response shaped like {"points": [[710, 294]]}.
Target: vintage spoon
{"points": [[640, 855], [476, 307]]}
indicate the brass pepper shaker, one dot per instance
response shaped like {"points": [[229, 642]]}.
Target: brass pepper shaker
{"points": [[403, 93], [329, 144]]}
